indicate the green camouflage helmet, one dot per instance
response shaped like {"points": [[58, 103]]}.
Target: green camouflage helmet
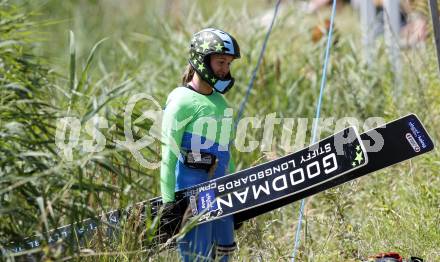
{"points": [[205, 43]]}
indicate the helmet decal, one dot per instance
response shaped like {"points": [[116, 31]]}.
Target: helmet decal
{"points": [[227, 41]]}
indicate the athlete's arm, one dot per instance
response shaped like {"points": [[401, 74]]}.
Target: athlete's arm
{"points": [[177, 115]]}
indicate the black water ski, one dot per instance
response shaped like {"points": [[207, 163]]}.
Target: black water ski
{"points": [[254, 191], [328, 159], [403, 139]]}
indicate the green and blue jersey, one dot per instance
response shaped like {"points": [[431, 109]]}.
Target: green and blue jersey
{"points": [[193, 122]]}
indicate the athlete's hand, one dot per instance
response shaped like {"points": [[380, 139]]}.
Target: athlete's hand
{"points": [[170, 219], [237, 226]]}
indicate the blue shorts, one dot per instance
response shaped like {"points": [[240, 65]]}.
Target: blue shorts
{"points": [[207, 240]]}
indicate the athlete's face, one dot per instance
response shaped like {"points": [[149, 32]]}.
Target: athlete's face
{"points": [[221, 64]]}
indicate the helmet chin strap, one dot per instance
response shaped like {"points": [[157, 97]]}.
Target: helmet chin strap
{"points": [[223, 86]]}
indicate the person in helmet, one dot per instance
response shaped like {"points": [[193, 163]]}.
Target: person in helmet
{"points": [[197, 122]]}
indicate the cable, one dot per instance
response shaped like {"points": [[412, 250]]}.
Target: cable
{"points": [[254, 73], [315, 124]]}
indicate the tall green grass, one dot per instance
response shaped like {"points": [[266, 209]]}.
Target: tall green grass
{"points": [[55, 65]]}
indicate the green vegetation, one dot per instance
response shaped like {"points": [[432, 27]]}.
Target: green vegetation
{"points": [[84, 59]]}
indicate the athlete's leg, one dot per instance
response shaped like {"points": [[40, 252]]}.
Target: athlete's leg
{"points": [[196, 245], [223, 230]]}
